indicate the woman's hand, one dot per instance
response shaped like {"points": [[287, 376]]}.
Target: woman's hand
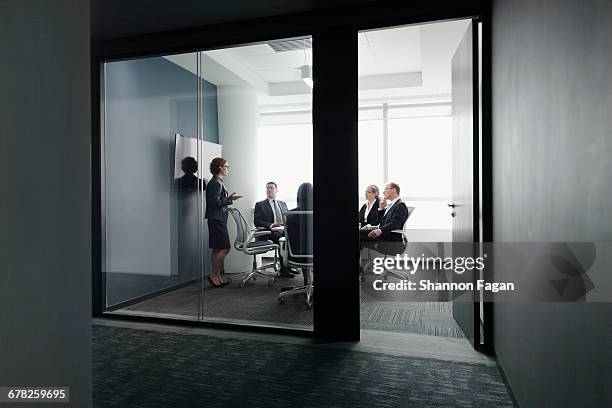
{"points": [[234, 196], [382, 204]]}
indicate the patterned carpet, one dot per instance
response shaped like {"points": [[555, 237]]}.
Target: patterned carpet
{"points": [[257, 303], [141, 368]]}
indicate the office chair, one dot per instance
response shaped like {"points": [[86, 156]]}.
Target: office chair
{"points": [[394, 248], [386, 248], [246, 241], [298, 235]]}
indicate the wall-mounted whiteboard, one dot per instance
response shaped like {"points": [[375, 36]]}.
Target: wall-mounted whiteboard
{"points": [[188, 147]]}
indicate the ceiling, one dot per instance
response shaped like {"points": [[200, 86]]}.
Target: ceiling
{"points": [[411, 62]]}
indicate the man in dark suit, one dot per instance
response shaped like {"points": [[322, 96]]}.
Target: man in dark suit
{"points": [[269, 214], [392, 214]]}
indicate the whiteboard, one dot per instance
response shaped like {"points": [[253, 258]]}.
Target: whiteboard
{"points": [[188, 147]]}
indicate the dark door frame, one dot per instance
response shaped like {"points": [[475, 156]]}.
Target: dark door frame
{"points": [[334, 31]]}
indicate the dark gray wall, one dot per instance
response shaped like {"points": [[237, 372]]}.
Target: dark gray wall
{"points": [[45, 216], [552, 148], [150, 225], [145, 16]]}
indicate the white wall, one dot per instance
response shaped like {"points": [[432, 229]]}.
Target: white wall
{"points": [[238, 133]]}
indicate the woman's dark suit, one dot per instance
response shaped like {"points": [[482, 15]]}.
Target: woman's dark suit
{"points": [[372, 215], [216, 212]]}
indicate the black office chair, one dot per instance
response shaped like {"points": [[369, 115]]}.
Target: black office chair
{"points": [[298, 233]]}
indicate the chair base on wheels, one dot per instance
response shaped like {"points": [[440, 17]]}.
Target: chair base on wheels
{"points": [[259, 271], [307, 290]]}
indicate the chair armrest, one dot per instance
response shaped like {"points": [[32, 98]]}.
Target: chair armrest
{"points": [[403, 232], [255, 233]]}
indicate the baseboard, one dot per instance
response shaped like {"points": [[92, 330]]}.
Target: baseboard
{"points": [[507, 383], [151, 295]]}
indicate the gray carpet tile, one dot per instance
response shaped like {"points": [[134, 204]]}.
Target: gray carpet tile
{"points": [[257, 302], [141, 368]]}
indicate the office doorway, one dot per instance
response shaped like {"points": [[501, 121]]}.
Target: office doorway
{"points": [[418, 137]]}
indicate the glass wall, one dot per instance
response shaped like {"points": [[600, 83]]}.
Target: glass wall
{"points": [[189, 237], [264, 102], [150, 213]]}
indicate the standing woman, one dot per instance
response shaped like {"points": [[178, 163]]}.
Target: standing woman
{"points": [[368, 214], [217, 200]]}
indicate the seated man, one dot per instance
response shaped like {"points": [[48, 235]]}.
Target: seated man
{"points": [[268, 214], [392, 214]]}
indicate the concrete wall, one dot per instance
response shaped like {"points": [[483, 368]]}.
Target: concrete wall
{"points": [[552, 144], [45, 206]]}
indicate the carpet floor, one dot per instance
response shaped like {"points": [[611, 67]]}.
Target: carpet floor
{"points": [[257, 303], [141, 368]]}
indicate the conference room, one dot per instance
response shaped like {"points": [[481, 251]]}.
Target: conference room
{"points": [[164, 120]]}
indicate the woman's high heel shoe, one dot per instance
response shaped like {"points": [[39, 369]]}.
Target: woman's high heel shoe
{"points": [[213, 284]]}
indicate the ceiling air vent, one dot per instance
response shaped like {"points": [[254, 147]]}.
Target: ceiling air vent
{"points": [[291, 45]]}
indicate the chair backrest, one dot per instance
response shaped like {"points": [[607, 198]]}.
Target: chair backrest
{"points": [[410, 211], [242, 228], [298, 232]]}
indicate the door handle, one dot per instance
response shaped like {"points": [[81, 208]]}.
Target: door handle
{"points": [[452, 205]]}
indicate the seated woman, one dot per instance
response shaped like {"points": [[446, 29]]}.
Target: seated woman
{"points": [[368, 214]]}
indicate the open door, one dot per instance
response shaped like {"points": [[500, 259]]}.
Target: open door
{"points": [[465, 183]]}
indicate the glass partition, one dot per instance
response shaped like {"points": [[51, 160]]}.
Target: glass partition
{"points": [[204, 154], [150, 188], [264, 98]]}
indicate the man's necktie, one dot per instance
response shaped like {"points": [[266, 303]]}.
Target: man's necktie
{"points": [[277, 213]]}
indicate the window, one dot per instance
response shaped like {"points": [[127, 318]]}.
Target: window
{"points": [[420, 156], [370, 155], [420, 161], [285, 157]]}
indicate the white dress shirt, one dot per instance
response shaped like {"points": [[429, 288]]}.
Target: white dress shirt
{"points": [[390, 205], [367, 210]]}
